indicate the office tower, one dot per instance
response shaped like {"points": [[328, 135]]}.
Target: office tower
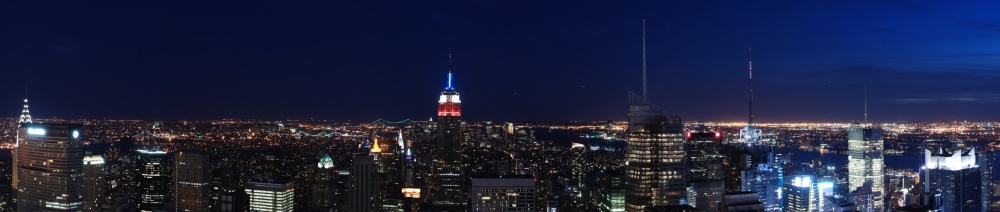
{"points": [[325, 188], [503, 193], [191, 181], [987, 165], [364, 192], [655, 158], [706, 195], [411, 199], [50, 165], [393, 205], [955, 178], [449, 186], [863, 198], [654, 154], [153, 180], [752, 164], [704, 156], [796, 197], [611, 191], [865, 160], [233, 201], [271, 195], [344, 180], [225, 181], [705, 172], [805, 194], [742, 201], [764, 176], [93, 182]]}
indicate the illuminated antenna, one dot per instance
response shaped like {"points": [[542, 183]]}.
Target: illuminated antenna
{"points": [[449, 71], [750, 119], [866, 104], [644, 60]]}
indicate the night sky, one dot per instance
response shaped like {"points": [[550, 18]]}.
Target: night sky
{"points": [[514, 60]]}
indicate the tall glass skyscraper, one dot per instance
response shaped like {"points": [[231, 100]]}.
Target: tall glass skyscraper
{"points": [[191, 181], [655, 167], [154, 179], [93, 182], [364, 192], [49, 163], [654, 156], [324, 191], [954, 178], [865, 161]]}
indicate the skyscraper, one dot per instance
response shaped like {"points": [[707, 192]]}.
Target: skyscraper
{"points": [[49, 163], [654, 154], [955, 177], [987, 165], [754, 168], [153, 180], [93, 182], [191, 181], [271, 195], [611, 191], [24, 119], [364, 191], [449, 123], [705, 172], [805, 193], [325, 188], [796, 194], [450, 190], [865, 161], [506, 193]]}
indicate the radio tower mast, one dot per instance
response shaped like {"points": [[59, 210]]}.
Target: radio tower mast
{"points": [[750, 119]]}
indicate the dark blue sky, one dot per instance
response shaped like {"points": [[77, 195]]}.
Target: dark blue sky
{"points": [[514, 60]]}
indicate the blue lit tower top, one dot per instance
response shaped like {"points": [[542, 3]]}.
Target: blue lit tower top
{"points": [[449, 87], [449, 103]]}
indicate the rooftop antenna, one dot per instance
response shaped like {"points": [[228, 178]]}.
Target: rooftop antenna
{"points": [[644, 60], [449, 71], [750, 119], [866, 104]]}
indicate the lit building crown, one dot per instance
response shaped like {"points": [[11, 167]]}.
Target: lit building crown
{"points": [[25, 116], [375, 148], [957, 160], [326, 162], [93, 160]]}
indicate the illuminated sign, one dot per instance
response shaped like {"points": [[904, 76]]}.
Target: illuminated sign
{"points": [[76, 134], [36, 131]]}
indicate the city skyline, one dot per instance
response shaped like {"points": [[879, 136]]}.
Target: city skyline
{"points": [[553, 61]]}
